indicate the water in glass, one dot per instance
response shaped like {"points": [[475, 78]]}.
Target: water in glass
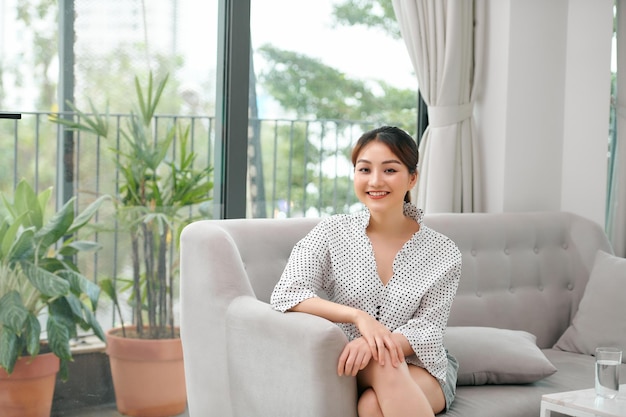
{"points": [[607, 378]]}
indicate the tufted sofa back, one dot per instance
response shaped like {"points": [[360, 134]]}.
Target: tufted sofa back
{"points": [[524, 271]]}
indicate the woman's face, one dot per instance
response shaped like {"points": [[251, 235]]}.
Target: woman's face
{"points": [[380, 178]]}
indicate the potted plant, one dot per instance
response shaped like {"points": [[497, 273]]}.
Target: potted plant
{"points": [[156, 194], [39, 278]]}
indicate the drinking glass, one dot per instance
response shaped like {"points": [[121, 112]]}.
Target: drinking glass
{"points": [[608, 360]]}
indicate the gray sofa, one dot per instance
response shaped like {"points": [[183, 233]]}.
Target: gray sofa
{"points": [[524, 275]]}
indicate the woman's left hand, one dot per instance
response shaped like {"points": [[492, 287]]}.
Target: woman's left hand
{"points": [[378, 337]]}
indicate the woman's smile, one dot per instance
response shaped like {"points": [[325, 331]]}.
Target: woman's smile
{"points": [[377, 194]]}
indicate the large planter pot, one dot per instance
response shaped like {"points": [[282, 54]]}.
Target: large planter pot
{"points": [[28, 391], [148, 375]]}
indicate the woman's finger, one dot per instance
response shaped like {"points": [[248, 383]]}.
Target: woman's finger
{"points": [[380, 346], [394, 350], [374, 348], [341, 365]]}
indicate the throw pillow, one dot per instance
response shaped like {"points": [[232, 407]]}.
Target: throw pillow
{"points": [[599, 320], [489, 355]]}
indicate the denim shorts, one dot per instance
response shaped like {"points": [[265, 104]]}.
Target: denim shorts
{"points": [[449, 388]]}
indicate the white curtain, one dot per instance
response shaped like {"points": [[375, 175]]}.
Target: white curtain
{"points": [[616, 218], [445, 48]]}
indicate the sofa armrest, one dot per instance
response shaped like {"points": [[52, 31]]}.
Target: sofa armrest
{"points": [[285, 364], [211, 276]]}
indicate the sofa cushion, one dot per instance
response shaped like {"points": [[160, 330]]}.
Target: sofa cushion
{"points": [[489, 355], [599, 320]]}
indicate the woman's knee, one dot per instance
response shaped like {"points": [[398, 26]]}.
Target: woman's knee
{"points": [[368, 404], [384, 377]]}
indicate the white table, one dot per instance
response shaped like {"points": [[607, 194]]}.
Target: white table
{"points": [[584, 403]]}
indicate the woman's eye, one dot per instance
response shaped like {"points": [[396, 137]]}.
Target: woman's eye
{"points": [[364, 170], [390, 170]]}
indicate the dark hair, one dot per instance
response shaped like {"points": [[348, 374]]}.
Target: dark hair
{"points": [[398, 141]]}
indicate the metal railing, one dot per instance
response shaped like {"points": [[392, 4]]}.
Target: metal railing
{"points": [[295, 167]]}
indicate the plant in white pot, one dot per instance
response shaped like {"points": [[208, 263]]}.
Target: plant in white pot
{"points": [[39, 281], [159, 189]]}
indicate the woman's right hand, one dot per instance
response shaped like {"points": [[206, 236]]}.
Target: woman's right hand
{"points": [[354, 357], [376, 335]]}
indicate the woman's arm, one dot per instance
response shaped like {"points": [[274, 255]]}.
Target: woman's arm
{"points": [[337, 313], [376, 335]]}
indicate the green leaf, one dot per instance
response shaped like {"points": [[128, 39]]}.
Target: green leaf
{"points": [[43, 198], [149, 102], [13, 314], [57, 226], [51, 264], [63, 313], [63, 370], [164, 146], [75, 305], [58, 337], [33, 334], [106, 285], [93, 123], [73, 248], [79, 284], [91, 289], [11, 230], [46, 282], [67, 251], [85, 216], [85, 245], [8, 349], [4, 228], [91, 320], [25, 202], [20, 246]]}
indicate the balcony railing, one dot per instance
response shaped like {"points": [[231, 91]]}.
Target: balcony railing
{"points": [[295, 168]]}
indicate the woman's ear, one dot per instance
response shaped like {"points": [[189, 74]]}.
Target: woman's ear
{"points": [[413, 179]]}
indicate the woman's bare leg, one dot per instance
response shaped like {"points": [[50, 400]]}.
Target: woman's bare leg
{"points": [[403, 391], [368, 404]]}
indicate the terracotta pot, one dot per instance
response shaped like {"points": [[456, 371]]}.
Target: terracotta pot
{"points": [[148, 375], [28, 391]]}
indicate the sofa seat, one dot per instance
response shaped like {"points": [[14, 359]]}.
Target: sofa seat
{"points": [[574, 372]]}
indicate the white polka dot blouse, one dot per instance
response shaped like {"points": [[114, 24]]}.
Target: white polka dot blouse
{"points": [[336, 261]]}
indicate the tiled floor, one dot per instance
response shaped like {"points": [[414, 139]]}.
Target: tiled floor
{"points": [[101, 411]]}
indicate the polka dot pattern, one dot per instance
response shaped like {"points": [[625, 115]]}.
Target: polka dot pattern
{"points": [[336, 261]]}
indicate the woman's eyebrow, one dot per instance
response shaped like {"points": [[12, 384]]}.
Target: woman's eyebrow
{"points": [[389, 161]]}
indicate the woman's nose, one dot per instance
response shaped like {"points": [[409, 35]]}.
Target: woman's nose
{"points": [[375, 177]]}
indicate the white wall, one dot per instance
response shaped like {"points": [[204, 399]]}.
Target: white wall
{"points": [[543, 113]]}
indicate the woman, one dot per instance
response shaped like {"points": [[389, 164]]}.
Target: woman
{"points": [[387, 280]]}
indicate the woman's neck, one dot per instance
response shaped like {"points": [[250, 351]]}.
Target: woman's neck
{"points": [[390, 223]]}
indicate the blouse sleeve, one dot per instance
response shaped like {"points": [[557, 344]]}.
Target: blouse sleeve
{"points": [[425, 330], [305, 274]]}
